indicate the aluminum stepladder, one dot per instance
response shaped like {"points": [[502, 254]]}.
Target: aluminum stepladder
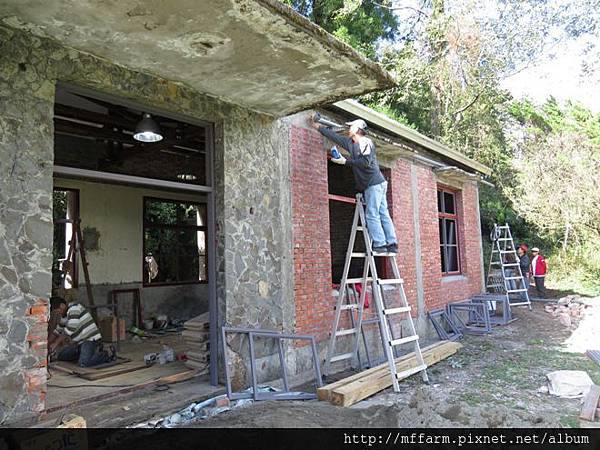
{"points": [[384, 314], [504, 270]]}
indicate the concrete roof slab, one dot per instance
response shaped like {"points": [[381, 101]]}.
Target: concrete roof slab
{"points": [[255, 53]]}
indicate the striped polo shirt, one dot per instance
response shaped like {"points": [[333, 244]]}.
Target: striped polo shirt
{"points": [[79, 324]]}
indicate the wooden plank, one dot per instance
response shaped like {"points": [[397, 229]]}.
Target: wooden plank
{"points": [[113, 371], [590, 404], [195, 336], [324, 393], [201, 357], [72, 368], [362, 388]]}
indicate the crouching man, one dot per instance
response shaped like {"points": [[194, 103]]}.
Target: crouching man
{"points": [[77, 337]]}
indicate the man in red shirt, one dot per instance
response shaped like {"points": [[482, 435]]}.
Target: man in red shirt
{"points": [[538, 271]]}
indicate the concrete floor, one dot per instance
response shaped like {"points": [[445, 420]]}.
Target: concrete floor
{"points": [[66, 391]]}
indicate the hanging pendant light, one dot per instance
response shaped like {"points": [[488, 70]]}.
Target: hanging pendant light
{"points": [[147, 130]]}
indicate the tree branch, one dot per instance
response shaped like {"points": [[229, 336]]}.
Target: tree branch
{"points": [[467, 106], [398, 8]]}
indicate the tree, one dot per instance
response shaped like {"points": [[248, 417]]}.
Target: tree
{"points": [[361, 24]]}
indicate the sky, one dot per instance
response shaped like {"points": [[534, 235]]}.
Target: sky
{"points": [[558, 75]]}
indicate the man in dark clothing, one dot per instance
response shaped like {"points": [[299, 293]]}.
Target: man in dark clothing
{"points": [[369, 181]]}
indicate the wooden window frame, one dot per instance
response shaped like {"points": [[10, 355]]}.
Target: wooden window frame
{"points": [[146, 225], [456, 217]]}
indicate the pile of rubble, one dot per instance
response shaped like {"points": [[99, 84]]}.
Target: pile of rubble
{"points": [[569, 309]]}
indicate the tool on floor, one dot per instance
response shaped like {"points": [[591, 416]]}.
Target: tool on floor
{"points": [[385, 314], [504, 270]]}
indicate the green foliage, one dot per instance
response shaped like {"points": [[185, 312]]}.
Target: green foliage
{"points": [[361, 24]]}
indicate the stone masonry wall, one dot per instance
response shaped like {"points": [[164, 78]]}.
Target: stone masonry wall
{"points": [[251, 193]]}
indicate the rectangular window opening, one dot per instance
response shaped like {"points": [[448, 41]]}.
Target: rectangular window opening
{"points": [[174, 242], [448, 231]]}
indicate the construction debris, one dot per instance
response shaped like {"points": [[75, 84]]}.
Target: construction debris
{"points": [[568, 310], [201, 410], [196, 335], [357, 387]]}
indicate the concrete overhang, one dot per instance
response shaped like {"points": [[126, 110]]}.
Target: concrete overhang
{"points": [[392, 127], [259, 54]]}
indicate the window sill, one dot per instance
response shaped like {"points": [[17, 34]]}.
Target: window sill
{"points": [[453, 278]]}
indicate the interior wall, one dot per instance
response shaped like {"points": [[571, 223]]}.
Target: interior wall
{"points": [[115, 213]]}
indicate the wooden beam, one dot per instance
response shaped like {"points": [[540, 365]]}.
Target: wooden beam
{"points": [[590, 404], [324, 393], [364, 387]]}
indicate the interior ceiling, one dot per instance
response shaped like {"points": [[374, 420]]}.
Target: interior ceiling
{"points": [[89, 118], [255, 53]]}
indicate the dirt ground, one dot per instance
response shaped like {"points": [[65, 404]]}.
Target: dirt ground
{"points": [[493, 381]]}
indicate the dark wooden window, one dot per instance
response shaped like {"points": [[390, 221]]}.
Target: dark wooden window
{"points": [[175, 236], [448, 223]]}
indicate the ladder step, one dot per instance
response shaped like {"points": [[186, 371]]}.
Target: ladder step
{"points": [[390, 281], [403, 309], [520, 304], [513, 278], [360, 229], [510, 264], [348, 306], [409, 372], [507, 251], [358, 255], [341, 357], [357, 280], [404, 340], [510, 291], [345, 332]]}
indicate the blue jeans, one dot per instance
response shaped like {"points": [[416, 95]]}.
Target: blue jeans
{"points": [[378, 217], [87, 354]]}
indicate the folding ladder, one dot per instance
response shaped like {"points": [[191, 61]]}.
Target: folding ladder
{"points": [[355, 309], [504, 271]]}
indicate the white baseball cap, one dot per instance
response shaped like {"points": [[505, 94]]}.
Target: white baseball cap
{"points": [[358, 123], [535, 249]]}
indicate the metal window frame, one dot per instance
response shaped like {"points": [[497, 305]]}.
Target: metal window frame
{"points": [[286, 394]]}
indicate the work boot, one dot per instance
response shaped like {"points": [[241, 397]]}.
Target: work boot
{"points": [[380, 249], [392, 248]]}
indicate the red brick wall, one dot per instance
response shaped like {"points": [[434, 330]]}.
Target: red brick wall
{"points": [[469, 283], [310, 210], [36, 376], [401, 208], [311, 233]]}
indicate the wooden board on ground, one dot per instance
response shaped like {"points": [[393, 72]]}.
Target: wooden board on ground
{"points": [[201, 366], [360, 386], [93, 373], [590, 404], [324, 393], [195, 336]]}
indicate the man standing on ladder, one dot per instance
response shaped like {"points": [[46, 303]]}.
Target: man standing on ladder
{"points": [[369, 180]]}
